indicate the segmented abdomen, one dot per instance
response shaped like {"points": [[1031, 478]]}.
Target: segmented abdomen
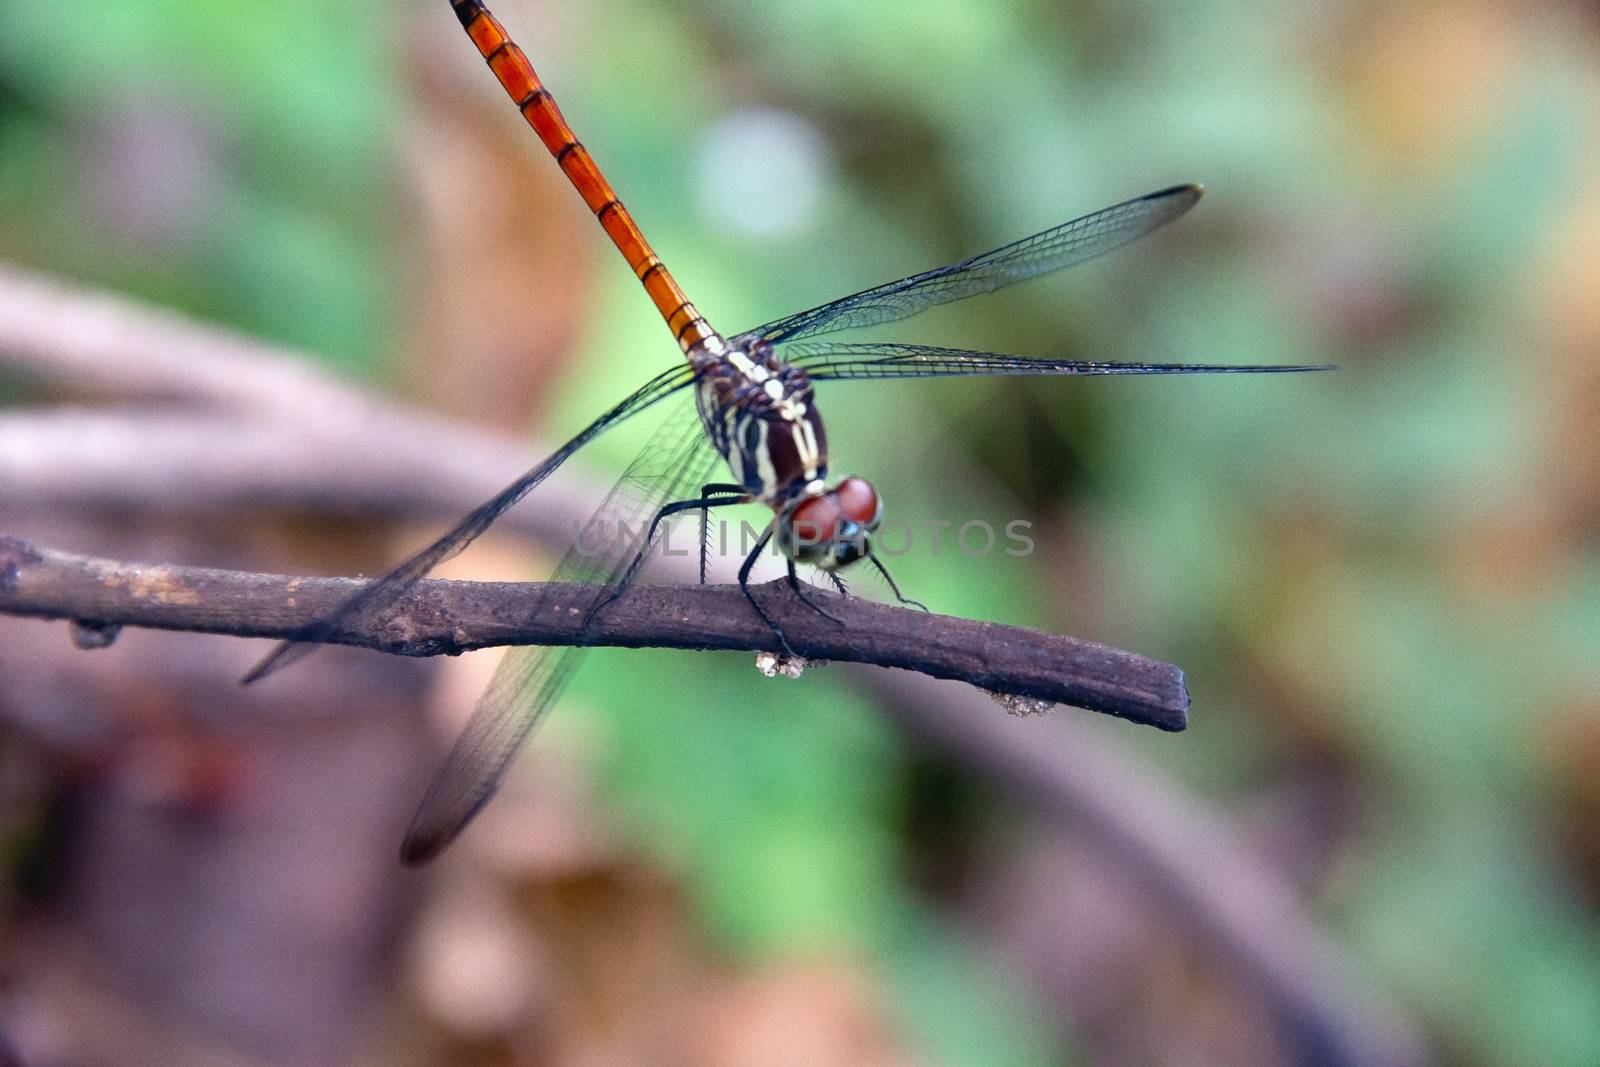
{"points": [[522, 84]]}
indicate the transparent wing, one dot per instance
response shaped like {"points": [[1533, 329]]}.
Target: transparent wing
{"points": [[676, 463], [383, 593], [824, 360], [1055, 249]]}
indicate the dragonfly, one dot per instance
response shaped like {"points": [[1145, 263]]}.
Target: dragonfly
{"points": [[746, 404]]}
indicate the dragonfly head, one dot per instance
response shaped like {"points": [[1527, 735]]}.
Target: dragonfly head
{"points": [[834, 528]]}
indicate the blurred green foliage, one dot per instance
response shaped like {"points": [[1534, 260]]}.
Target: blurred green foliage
{"points": [[231, 160], [1312, 529]]}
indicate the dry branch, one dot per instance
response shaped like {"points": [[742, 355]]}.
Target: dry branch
{"points": [[447, 617]]}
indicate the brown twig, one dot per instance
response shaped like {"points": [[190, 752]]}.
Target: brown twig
{"points": [[444, 617]]}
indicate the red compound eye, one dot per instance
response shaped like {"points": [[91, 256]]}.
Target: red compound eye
{"points": [[815, 521], [858, 501]]}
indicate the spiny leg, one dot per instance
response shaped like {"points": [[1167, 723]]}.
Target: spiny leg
{"points": [[705, 537], [705, 520], [704, 503], [878, 563], [799, 588], [744, 587]]}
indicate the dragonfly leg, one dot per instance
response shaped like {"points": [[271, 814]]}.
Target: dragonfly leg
{"points": [[705, 520], [878, 563], [799, 588], [744, 587], [838, 582], [703, 503]]}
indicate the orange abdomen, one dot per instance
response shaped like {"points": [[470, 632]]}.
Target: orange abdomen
{"points": [[511, 66]]}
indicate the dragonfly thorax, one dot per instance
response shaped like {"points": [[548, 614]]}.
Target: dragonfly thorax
{"points": [[761, 415]]}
